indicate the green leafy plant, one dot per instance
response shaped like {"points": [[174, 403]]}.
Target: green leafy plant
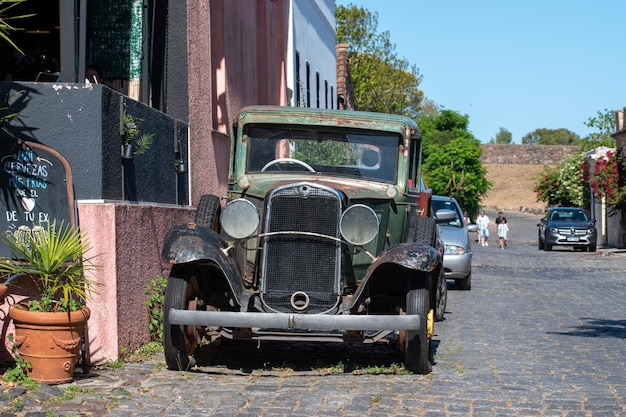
{"points": [[19, 373], [7, 113], [155, 291], [146, 352], [5, 21], [562, 185], [52, 256], [141, 142]]}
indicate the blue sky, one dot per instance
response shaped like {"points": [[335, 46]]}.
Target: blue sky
{"points": [[520, 65]]}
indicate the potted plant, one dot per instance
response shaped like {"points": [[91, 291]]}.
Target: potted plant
{"points": [[133, 141], [49, 327]]}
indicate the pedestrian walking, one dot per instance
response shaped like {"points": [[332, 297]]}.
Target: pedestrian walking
{"points": [[499, 219], [482, 221], [503, 231]]}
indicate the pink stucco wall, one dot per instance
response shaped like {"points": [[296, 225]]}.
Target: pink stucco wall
{"points": [[236, 57], [127, 240]]}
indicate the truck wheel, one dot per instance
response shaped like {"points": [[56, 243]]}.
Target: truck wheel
{"points": [[591, 248], [426, 231], [442, 296], [208, 212], [417, 342], [179, 341], [540, 245]]}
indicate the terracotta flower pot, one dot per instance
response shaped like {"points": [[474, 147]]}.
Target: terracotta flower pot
{"points": [[4, 290], [49, 341]]}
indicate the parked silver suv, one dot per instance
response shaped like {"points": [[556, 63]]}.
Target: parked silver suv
{"points": [[567, 226]]}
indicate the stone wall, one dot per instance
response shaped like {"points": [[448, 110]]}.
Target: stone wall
{"points": [[525, 154]]}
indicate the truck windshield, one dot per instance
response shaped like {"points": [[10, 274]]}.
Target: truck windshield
{"points": [[370, 155]]}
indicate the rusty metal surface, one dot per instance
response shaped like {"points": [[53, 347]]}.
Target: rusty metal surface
{"points": [[416, 256], [353, 189], [188, 244]]}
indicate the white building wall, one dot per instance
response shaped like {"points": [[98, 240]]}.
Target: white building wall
{"points": [[312, 36]]}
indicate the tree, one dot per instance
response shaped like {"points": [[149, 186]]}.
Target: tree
{"points": [[503, 137], [452, 163], [545, 136], [443, 127], [604, 122], [383, 82]]}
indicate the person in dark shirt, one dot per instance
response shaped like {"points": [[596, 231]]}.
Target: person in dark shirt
{"points": [[500, 219]]}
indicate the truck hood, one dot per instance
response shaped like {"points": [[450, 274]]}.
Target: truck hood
{"points": [[353, 189]]}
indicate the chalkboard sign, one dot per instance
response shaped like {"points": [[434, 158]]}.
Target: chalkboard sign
{"points": [[35, 188]]}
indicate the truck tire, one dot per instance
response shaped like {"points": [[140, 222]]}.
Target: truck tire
{"points": [[179, 341], [208, 212], [426, 231], [417, 342], [442, 296]]}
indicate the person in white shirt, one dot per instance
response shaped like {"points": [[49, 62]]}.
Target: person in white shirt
{"points": [[482, 221], [503, 231]]}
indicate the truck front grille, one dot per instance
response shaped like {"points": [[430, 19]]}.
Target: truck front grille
{"points": [[300, 267]]}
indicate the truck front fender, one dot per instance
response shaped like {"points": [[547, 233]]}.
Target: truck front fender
{"points": [[418, 261], [189, 243], [416, 256]]}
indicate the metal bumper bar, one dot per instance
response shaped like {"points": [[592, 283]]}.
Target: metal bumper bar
{"points": [[293, 321]]}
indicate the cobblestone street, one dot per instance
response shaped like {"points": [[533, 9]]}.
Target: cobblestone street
{"points": [[539, 334]]}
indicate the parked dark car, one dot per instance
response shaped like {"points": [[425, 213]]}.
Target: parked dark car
{"points": [[567, 226], [458, 252], [326, 235]]}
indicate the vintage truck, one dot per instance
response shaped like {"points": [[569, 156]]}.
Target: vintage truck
{"points": [[325, 235]]}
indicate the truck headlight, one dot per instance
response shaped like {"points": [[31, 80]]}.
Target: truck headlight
{"points": [[240, 218], [359, 224]]}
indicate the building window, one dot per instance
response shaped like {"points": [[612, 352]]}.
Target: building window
{"points": [[308, 84], [298, 83], [317, 88], [332, 97], [326, 94]]}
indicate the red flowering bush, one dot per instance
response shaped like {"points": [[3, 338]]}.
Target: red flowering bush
{"points": [[604, 179]]}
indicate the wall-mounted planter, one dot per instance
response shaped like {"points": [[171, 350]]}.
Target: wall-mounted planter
{"points": [[128, 151]]}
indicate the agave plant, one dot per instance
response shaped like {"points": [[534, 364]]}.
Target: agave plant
{"points": [[5, 21], [52, 256]]}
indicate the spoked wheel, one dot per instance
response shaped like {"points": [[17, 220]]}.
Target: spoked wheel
{"points": [[417, 342], [442, 296], [180, 341]]}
